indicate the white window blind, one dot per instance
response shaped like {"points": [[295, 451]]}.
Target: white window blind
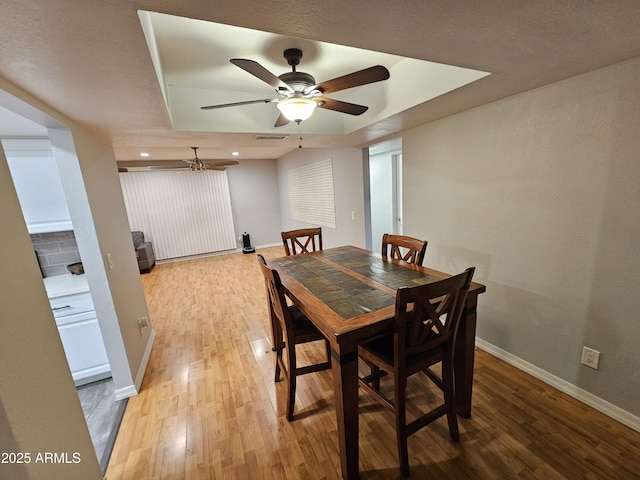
{"points": [[311, 195], [182, 213]]}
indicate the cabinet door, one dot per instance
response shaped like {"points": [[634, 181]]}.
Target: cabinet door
{"points": [[84, 348]]}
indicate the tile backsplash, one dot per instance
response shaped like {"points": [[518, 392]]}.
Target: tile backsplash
{"points": [[55, 251]]}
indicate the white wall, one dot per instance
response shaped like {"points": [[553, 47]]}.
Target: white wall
{"points": [[348, 188], [37, 182], [540, 192], [382, 192]]}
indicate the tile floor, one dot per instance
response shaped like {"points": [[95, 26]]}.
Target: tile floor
{"points": [[103, 415]]}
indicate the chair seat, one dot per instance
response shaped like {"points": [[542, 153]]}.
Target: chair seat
{"points": [[302, 326], [382, 348]]}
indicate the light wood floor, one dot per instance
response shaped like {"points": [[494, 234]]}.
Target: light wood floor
{"points": [[209, 409]]}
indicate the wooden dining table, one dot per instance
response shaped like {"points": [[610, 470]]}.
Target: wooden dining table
{"points": [[349, 294]]}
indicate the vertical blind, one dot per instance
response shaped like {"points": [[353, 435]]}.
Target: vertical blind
{"points": [[311, 195], [183, 213]]}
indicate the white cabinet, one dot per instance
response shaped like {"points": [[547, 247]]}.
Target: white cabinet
{"points": [[83, 345], [78, 326]]}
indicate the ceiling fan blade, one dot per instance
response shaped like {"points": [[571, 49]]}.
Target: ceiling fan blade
{"points": [[220, 163], [340, 106], [258, 71], [149, 168], [235, 104], [355, 79], [168, 167], [281, 121]]}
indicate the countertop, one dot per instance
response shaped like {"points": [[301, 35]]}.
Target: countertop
{"points": [[68, 284]]}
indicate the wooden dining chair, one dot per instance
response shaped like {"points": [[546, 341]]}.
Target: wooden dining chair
{"points": [[426, 324], [303, 240], [404, 248], [297, 329]]}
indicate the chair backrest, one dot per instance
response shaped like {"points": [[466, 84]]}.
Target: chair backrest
{"points": [[404, 248], [428, 316], [275, 292], [304, 240]]}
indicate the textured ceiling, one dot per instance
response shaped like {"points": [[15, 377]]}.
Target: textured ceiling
{"points": [[90, 59]]}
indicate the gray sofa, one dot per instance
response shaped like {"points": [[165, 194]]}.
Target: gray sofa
{"points": [[144, 252]]}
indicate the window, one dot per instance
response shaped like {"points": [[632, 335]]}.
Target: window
{"points": [[183, 213], [311, 195]]}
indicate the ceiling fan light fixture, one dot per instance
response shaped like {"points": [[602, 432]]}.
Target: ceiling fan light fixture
{"points": [[297, 109]]}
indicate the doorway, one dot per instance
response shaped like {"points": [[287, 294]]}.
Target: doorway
{"points": [[385, 191]]}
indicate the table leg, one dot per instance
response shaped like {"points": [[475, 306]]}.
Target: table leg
{"points": [[345, 385], [464, 357]]}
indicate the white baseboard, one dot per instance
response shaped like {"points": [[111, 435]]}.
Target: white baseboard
{"points": [[93, 374], [599, 404], [132, 390], [145, 360], [125, 392], [278, 244], [195, 257], [213, 254]]}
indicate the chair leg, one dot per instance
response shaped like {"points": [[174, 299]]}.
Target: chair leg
{"points": [[449, 399], [274, 334], [327, 349], [277, 347], [291, 394], [401, 426], [375, 374]]}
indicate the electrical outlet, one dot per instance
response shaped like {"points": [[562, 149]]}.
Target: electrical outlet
{"points": [[143, 323], [590, 357]]}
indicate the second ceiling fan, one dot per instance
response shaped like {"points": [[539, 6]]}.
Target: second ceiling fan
{"points": [[195, 165], [298, 92]]}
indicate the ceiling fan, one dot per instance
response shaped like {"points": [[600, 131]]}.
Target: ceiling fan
{"points": [[195, 165], [298, 92]]}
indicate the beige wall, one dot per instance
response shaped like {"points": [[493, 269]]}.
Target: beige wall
{"points": [[39, 408], [541, 193], [90, 178], [348, 191]]}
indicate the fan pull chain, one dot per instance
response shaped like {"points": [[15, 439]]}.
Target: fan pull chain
{"points": [[299, 133]]}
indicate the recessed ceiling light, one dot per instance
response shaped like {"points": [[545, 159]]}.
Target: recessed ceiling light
{"points": [[235, 154], [144, 154]]}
